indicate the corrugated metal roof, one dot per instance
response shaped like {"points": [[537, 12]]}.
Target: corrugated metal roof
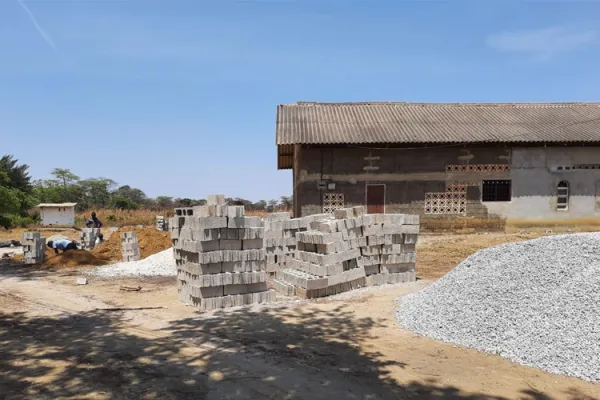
{"points": [[56, 205], [397, 122]]}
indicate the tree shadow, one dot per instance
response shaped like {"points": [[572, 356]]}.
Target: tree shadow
{"points": [[293, 353], [18, 269]]}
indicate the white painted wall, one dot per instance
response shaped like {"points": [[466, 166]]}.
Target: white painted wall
{"points": [[535, 182], [57, 215]]}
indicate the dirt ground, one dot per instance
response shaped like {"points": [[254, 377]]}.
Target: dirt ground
{"points": [[63, 341]]}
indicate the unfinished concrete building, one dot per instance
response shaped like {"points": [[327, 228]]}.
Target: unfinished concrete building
{"points": [[516, 161]]}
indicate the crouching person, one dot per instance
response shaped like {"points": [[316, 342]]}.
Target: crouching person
{"points": [[63, 245]]}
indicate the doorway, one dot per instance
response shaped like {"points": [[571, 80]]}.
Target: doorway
{"points": [[376, 199]]}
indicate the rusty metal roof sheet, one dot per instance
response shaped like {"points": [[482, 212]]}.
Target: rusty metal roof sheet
{"points": [[397, 122]]}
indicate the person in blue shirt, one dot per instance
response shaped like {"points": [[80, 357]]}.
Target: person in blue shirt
{"points": [[64, 245]]}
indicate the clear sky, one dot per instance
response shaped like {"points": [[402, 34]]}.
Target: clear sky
{"points": [[179, 97]]}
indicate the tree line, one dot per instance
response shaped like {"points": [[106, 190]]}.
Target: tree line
{"points": [[19, 194]]}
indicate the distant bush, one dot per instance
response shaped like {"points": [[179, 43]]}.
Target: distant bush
{"points": [[16, 221]]}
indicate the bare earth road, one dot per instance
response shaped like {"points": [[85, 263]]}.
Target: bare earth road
{"points": [[61, 341]]}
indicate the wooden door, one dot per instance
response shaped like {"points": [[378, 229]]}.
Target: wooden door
{"points": [[375, 199]]}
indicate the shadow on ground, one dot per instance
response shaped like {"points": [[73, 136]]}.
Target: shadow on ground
{"points": [[278, 354]]}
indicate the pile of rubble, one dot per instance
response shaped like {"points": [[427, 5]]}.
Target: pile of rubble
{"points": [[350, 250], [219, 255]]}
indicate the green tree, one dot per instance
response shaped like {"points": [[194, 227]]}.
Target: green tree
{"points": [[65, 176], [271, 205], [68, 181], [10, 205], [9, 201], [122, 203], [286, 202], [135, 195], [164, 201], [96, 192], [14, 176]]}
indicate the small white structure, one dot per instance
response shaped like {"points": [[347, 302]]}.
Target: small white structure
{"points": [[62, 214]]}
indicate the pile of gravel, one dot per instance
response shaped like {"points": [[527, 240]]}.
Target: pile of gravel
{"points": [[536, 303], [159, 264]]}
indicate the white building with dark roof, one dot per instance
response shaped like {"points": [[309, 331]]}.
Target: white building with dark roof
{"points": [[57, 214]]}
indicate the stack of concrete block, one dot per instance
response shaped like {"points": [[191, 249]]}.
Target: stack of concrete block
{"points": [[349, 250], [280, 243], [328, 258], [88, 238], [34, 247], [161, 224], [389, 254], [280, 238], [220, 256], [130, 246]]}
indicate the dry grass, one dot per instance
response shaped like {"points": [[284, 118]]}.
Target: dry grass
{"points": [[438, 255], [557, 225], [463, 225], [17, 233], [121, 218]]}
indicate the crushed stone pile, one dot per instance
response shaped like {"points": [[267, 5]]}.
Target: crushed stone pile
{"points": [[159, 264], [150, 240], [536, 303]]}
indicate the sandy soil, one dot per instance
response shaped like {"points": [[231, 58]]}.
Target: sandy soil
{"points": [[63, 341]]}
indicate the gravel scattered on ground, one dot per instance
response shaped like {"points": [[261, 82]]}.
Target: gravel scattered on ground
{"points": [[159, 264], [536, 303]]}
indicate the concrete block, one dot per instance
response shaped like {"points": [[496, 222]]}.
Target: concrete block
{"points": [[245, 222], [230, 244], [208, 222], [204, 234], [235, 211], [346, 276], [396, 268], [343, 213], [252, 244], [201, 269], [284, 288], [246, 288], [204, 292], [31, 236], [398, 258], [391, 249], [215, 199], [279, 216], [410, 238], [410, 229], [372, 269]]}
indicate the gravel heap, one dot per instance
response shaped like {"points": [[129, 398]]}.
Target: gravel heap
{"points": [[159, 264], [536, 303]]}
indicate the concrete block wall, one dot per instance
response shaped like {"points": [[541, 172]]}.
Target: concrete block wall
{"points": [[280, 238], [350, 250], [130, 246], [220, 256], [88, 238], [389, 254], [34, 247]]}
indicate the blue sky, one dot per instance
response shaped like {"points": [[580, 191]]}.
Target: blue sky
{"points": [[179, 97]]}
